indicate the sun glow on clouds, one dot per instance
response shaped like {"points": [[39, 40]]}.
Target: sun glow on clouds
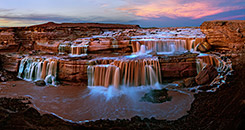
{"points": [[143, 12], [179, 8]]}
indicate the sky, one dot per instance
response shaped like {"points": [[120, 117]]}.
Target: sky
{"points": [[146, 13]]}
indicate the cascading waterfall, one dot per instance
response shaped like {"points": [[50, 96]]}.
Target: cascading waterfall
{"points": [[32, 69], [127, 72], [78, 50], [214, 60], [80, 47], [64, 48], [160, 45]]}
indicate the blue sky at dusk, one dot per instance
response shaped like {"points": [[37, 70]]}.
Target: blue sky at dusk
{"points": [[146, 13]]}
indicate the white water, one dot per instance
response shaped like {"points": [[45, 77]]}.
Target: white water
{"points": [[126, 71], [33, 69]]}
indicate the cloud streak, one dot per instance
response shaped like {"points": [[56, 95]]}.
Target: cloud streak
{"points": [[193, 9], [144, 12]]}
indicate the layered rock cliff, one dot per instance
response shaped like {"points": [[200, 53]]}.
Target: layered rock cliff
{"points": [[225, 35], [45, 36]]}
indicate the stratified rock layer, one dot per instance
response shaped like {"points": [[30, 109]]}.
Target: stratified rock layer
{"points": [[45, 36], [228, 35]]}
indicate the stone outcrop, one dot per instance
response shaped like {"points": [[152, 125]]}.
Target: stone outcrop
{"points": [[206, 75], [8, 67], [225, 35], [10, 62], [73, 70], [178, 66]]}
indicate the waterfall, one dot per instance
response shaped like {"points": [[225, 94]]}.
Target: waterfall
{"points": [[64, 48], [79, 47], [142, 49], [32, 69], [78, 50], [160, 45], [217, 62], [127, 72]]}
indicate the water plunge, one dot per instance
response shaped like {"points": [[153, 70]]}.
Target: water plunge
{"points": [[126, 72], [160, 45], [32, 69]]}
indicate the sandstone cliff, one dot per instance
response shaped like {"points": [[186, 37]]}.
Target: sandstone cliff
{"points": [[26, 38], [225, 35]]}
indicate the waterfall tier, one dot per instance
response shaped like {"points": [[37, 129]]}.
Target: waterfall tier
{"points": [[32, 69], [127, 72], [160, 45], [78, 50]]}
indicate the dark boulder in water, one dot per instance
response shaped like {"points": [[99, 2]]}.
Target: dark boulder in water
{"points": [[40, 83], [156, 96]]}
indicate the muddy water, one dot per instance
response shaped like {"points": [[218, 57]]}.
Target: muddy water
{"points": [[77, 103]]}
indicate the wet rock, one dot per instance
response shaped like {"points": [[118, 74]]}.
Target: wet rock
{"points": [[180, 83], [156, 96], [40, 83], [3, 79], [32, 113], [203, 47], [206, 75], [189, 82]]}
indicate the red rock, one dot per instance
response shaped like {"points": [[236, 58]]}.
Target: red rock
{"points": [[73, 70], [203, 47], [10, 62], [178, 69], [189, 82], [206, 75], [224, 34]]}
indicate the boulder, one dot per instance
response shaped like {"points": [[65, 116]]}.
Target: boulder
{"points": [[206, 75], [203, 47], [180, 83], [40, 83], [189, 82], [156, 96]]}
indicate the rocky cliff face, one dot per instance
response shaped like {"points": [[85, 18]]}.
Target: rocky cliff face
{"points": [[178, 66], [225, 35], [46, 35], [75, 70]]}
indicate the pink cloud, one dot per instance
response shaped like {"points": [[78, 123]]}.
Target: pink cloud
{"points": [[178, 8]]}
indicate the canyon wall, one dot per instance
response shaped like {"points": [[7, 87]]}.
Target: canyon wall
{"points": [[178, 66], [44, 37], [225, 35]]}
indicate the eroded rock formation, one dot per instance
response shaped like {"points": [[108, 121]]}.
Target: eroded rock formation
{"points": [[45, 36], [225, 35]]}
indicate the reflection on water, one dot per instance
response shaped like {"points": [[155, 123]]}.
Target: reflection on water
{"points": [[77, 103]]}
